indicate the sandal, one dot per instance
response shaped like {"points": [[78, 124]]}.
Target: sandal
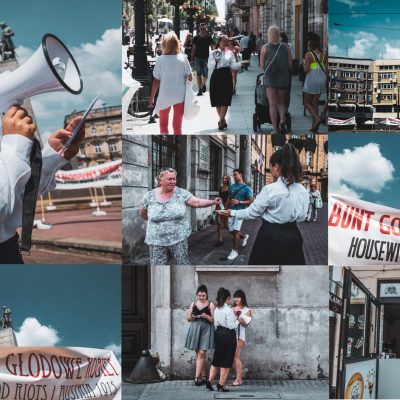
{"points": [[221, 126], [236, 382], [314, 128]]}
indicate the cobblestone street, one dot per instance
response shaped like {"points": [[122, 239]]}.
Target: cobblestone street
{"points": [[262, 389], [203, 252]]}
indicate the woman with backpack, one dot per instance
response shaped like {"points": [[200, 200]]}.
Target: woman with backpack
{"points": [[314, 64], [276, 62]]}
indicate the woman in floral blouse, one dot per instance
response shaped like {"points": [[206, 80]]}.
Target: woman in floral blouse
{"points": [[168, 227]]}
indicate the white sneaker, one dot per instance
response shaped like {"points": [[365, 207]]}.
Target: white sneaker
{"points": [[244, 240], [233, 255]]}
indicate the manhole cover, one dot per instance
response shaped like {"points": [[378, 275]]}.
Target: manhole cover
{"points": [[250, 396]]}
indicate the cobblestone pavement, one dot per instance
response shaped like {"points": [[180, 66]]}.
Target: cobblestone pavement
{"points": [[203, 252], [262, 389], [240, 114]]}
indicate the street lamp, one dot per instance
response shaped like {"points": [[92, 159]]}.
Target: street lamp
{"points": [[140, 70], [177, 20]]}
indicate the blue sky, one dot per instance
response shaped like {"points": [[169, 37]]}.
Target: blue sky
{"points": [[368, 28], [80, 302], [91, 31], [366, 166]]}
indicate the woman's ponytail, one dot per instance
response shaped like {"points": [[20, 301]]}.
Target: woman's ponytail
{"points": [[289, 161]]}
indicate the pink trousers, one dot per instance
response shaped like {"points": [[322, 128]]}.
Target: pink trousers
{"points": [[176, 122]]}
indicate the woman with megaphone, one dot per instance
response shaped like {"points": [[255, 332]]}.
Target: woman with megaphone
{"points": [[25, 172]]}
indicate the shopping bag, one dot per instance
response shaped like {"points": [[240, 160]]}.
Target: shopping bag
{"points": [[191, 107]]}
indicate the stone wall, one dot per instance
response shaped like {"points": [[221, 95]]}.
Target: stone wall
{"points": [[287, 337]]}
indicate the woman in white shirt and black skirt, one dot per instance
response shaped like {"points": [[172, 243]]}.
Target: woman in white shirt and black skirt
{"points": [[280, 205], [221, 61], [225, 322]]}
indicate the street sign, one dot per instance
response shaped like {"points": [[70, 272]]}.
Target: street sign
{"points": [[335, 303]]}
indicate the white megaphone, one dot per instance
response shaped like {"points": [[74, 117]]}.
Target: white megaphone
{"points": [[51, 68]]}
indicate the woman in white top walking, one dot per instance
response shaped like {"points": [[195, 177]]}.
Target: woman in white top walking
{"points": [[241, 309], [221, 61], [280, 204], [225, 322], [315, 196], [170, 73]]}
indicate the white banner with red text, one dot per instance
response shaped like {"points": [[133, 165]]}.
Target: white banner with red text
{"points": [[362, 233], [101, 175], [59, 373]]}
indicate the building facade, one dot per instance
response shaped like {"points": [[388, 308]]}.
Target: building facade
{"points": [[365, 331], [363, 88], [313, 154], [103, 137], [294, 17]]}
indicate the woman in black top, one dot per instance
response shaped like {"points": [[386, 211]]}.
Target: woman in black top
{"points": [[200, 336], [188, 46], [222, 222]]}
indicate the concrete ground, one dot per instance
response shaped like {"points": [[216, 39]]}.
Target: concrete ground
{"points": [[240, 114], [202, 251], [77, 237], [262, 389]]}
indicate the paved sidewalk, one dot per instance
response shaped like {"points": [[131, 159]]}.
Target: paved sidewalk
{"points": [[263, 389], [78, 237], [240, 114], [202, 251]]}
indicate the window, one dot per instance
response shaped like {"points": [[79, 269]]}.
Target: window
{"points": [[94, 131], [109, 130], [82, 151], [164, 154], [98, 149], [112, 147], [215, 167], [309, 158]]}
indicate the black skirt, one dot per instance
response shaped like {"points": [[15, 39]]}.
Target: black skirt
{"points": [[221, 87], [9, 251], [225, 347], [278, 244]]}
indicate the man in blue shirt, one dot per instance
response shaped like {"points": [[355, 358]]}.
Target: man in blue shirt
{"points": [[240, 197]]}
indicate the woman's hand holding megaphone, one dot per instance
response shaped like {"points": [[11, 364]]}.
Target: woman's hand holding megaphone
{"points": [[17, 121], [59, 137]]}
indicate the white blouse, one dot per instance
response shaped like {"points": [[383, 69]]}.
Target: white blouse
{"points": [[227, 60], [224, 316], [15, 172], [278, 203], [172, 72]]}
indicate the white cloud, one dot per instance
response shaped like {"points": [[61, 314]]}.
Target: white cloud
{"points": [[334, 50], [363, 44], [116, 349], [391, 52], [33, 333], [353, 3], [360, 169], [100, 67]]}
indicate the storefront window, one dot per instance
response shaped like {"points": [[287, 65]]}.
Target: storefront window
{"points": [[356, 322]]}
